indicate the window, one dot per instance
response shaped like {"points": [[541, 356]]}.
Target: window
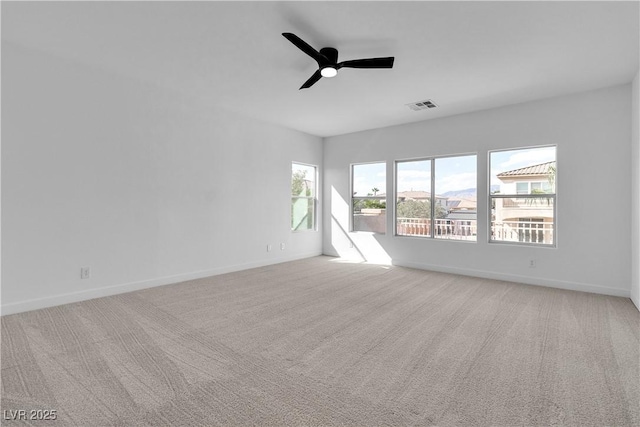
{"points": [[540, 187], [368, 203], [436, 197], [522, 188], [413, 198], [303, 197], [532, 187], [523, 196]]}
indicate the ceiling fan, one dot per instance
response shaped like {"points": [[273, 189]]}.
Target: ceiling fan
{"points": [[327, 60]]}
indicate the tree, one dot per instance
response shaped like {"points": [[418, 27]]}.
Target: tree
{"points": [[302, 209], [552, 176], [299, 184], [413, 209], [374, 204], [418, 209], [359, 204]]}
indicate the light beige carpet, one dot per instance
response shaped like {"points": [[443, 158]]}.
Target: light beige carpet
{"points": [[319, 342]]}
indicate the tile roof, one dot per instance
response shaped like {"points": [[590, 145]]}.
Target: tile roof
{"points": [[461, 203], [541, 169]]}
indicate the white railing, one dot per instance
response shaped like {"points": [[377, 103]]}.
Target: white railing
{"points": [[528, 203], [522, 231], [505, 231], [443, 228]]}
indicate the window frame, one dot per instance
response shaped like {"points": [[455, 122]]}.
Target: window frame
{"points": [[530, 195], [313, 198], [433, 199], [352, 198]]}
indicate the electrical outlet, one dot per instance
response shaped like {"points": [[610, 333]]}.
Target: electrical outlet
{"points": [[532, 263], [282, 246], [85, 272]]}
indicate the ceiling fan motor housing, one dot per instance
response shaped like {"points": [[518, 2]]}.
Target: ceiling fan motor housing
{"points": [[331, 54]]}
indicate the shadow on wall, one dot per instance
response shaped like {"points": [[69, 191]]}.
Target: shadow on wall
{"points": [[362, 246]]}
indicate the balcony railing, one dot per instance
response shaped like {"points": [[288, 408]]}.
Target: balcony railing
{"points": [[522, 231], [443, 228], [528, 203], [505, 231]]}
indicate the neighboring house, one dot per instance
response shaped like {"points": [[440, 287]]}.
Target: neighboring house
{"points": [[462, 209], [462, 215], [531, 179], [530, 219], [461, 205]]}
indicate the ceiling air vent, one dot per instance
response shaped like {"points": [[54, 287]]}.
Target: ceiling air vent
{"points": [[422, 105]]}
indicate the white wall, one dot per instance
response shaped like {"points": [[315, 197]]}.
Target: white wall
{"points": [[592, 133], [138, 183], [635, 196]]}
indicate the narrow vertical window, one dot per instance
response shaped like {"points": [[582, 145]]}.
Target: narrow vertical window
{"points": [[456, 203], [522, 196], [303, 197], [368, 203], [413, 198]]}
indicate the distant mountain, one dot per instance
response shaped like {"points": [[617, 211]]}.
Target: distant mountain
{"points": [[468, 193]]}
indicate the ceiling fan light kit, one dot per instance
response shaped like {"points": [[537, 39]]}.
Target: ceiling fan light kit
{"points": [[329, 72], [327, 59]]}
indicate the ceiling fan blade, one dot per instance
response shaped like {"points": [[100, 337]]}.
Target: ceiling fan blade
{"points": [[368, 63], [312, 80], [304, 46]]}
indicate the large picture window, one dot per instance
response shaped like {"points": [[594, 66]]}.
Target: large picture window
{"points": [[436, 197], [368, 203], [522, 196], [303, 197]]}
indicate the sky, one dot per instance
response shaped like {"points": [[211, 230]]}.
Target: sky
{"points": [[502, 161], [368, 176], [452, 173]]}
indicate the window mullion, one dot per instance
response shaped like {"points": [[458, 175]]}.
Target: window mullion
{"points": [[433, 198]]}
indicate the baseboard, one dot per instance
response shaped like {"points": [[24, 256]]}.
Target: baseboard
{"points": [[331, 253], [550, 283], [105, 291], [636, 301]]}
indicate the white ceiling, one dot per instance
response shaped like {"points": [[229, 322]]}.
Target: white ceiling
{"points": [[465, 56]]}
